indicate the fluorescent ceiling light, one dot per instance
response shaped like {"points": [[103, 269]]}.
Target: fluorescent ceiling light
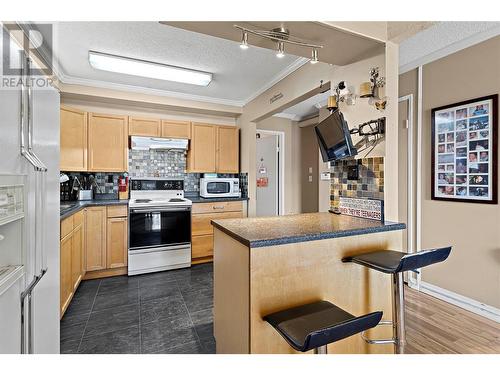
{"points": [[125, 65]]}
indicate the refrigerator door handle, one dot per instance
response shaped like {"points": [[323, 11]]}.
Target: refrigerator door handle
{"points": [[24, 104], [41, 165], [40, 169], [28, 347]]}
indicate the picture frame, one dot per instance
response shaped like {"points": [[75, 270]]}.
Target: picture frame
{"points": [[464, 151]]}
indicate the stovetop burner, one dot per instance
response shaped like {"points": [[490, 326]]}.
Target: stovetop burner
{"points": [[142, 200], [176, 200]]}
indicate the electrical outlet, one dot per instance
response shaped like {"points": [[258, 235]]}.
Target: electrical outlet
{"points": [[352, 172]]}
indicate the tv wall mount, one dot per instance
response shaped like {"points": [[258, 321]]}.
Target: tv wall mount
{"points": [[372, 127]]}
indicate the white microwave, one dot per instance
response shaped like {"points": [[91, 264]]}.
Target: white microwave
{"points": [[219, 187]]}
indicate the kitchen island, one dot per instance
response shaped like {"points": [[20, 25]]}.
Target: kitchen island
{"points": [[264, 265]]}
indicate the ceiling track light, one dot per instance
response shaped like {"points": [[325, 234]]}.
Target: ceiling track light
{"points": [[314, 57], [244, 40], [281, 36], [281, 50]]}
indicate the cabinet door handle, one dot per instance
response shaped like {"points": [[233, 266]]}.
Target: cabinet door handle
{"points": [[218, 207]]}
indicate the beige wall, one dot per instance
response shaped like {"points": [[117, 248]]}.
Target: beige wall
{"points": [[298, 83], [309, 159], [292, 155], [147, 100], [473, 269], [95, 105], [354, 75]]}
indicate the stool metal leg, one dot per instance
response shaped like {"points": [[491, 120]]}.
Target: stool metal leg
{"points": [[321, 350], [398, 312]]}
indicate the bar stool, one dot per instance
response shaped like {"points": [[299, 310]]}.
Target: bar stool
{"points": [[395, 263], [317, 324]]}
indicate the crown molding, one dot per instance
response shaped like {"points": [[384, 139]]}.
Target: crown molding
{"points": [[289, 116], [72, 80], [67, 79]]}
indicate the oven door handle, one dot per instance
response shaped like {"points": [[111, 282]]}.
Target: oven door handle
{"points": [[163, 209]]}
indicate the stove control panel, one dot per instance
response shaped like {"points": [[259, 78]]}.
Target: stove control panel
{"points": [[157, 185]]}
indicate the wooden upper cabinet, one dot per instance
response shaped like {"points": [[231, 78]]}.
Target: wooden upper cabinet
{"points": [[201, 155], [108, 143], [73, 139], [176, 129], [95, 238], [146, 127], [227, 149]]}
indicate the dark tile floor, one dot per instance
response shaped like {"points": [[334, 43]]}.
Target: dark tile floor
{"points": [[164, 312]]}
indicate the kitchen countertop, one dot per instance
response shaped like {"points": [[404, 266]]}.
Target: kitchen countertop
{"points": [[76, 206], [280, 230], [195, 198]]}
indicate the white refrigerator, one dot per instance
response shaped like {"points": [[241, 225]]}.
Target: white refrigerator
{"points": [[29, 218]]}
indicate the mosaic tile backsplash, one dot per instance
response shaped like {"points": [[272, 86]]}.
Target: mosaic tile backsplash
{"points": [[144, 164], [370, 182], [156, 163]]}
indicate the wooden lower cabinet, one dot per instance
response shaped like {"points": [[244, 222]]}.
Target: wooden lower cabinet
{"points": [[77, 256], [107, 241], [202, 239], [94, 243], [72, 258], [66, 287], [116, 249], [95, 234]]}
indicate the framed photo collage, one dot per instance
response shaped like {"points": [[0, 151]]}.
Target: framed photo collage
{"points": [[464, 148]]}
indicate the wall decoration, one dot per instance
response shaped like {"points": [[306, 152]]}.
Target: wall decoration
{"points": [[365, 208], [464, 151]]}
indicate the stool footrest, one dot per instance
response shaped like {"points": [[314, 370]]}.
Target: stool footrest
{"points": [[380, 341]]}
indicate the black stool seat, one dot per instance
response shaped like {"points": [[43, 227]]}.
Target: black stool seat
{"points": [[316, 324], [389, 261]]}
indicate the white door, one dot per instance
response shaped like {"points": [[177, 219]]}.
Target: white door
{"points": [[267, 159]]}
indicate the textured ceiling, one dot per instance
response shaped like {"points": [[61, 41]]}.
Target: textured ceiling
{"points": [[441, 39], [339, 47], [237, 74]]}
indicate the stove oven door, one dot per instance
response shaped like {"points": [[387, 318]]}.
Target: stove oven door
{"points": [[151, 227]]}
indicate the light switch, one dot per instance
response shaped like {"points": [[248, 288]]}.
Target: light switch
{"points": [[325, 176], [310, 178], [310, 169]]}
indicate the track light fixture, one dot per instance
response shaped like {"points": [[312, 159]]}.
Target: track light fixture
{"points": [[281, 36], [314, 58], [281, 50], [244, 40]]}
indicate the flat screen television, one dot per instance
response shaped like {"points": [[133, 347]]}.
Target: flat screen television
{"points": [[334, 138]]}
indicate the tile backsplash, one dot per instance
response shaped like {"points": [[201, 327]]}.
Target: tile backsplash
{"points": [[370, 182], [156, 163], [144, 164]]}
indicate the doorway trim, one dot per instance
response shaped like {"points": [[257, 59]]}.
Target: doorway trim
{"points": [[281, 167], [413, 279]]}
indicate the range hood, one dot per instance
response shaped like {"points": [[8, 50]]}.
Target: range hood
{"points": [[158, 144]]}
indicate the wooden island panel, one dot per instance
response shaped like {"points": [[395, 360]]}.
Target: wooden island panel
{"points": [[253, 282]]}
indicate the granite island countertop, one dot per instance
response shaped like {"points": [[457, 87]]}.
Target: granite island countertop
{"points": [[69, 208], [280, 230]]}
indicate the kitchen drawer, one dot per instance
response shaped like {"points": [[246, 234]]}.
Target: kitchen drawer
{"points": [[202, 246], [66, 226], [78, 219], [203, 208], [117, 211], [200, 224]]}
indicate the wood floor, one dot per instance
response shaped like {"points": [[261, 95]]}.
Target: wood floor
{"points": [[436, 327]]}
